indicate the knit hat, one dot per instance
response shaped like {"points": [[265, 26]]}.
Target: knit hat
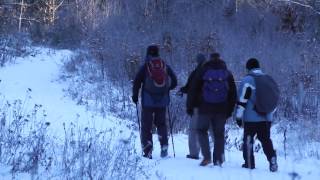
{"points": [[153, 50], [214, 56], [200, 58], [252, 63]]}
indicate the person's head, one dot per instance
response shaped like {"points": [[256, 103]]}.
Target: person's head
{"points": [[153, 51], [214, 57], [252, 63], [200, 59]]}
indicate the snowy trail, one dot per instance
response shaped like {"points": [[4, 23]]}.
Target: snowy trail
{"points": [[186, 169], [40, 73]]}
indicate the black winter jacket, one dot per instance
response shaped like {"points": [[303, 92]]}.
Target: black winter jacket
{"points": [[146, 98], [185, 89]]}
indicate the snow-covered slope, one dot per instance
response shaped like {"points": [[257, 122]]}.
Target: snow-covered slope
{"points": [[40, 73]]}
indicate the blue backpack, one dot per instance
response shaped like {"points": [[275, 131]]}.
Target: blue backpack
{"points": [[215, 88]]}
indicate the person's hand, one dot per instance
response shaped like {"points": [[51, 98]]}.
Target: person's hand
{"points": [[229, 114], [180, 93], [190, 112], [239, 115], [135, 99], [239, 122]]}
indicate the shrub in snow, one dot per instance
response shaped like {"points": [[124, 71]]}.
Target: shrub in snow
{"points": [[13, 46], [85, 153], [91, 154]]}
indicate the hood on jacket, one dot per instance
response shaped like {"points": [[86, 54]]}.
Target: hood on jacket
{"points": [[200, 59]]}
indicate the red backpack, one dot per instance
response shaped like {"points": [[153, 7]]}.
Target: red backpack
{"points": [[157, 79]]}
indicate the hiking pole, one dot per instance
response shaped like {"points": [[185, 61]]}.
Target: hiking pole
{"points": [[170, 127], [139, 126], [138, 119]]}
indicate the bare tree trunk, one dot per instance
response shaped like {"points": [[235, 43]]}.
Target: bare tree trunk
{"points": [[77, 9], [21, 14]]}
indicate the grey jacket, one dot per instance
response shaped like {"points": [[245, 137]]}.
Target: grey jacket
{"points": [[246, 100]]}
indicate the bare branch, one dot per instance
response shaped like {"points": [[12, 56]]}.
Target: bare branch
{"points": [[18, 4], [23, 18], [302, 4], [57, 6]]}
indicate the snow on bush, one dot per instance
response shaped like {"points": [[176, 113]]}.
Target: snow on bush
{"points": [[26, 147]]}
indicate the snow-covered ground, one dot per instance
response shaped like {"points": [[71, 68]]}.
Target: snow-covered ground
{"points": [[40, 73], [183, 168]]}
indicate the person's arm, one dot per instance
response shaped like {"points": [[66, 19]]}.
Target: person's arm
{"points": [[174, 81], [138, 80], [186, 88], [195, 88], [245, 91], [232, 95]]}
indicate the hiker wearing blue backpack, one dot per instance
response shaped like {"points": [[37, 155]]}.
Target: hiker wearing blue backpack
{"points": [[258, 97], [214, 85], [155, 79]]}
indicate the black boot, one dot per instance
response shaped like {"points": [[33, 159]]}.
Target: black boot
{"points": [[147, 155], [164, 151], [218, 160], [245, 165], [192, 157], [273, 165], [217, 163]]}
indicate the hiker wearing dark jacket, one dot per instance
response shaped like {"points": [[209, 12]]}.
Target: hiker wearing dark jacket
{"points": [[153, 104], [200, 59], [253, 122], [193, 142], [215, 107]]}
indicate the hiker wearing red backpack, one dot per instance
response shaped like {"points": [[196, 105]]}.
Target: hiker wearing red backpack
{"points": [[258, 98], [215, 86], [155, 79]]}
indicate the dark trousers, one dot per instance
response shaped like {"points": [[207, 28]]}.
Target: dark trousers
{"points": [[150, 116], [217, 122], [262, 130]]}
